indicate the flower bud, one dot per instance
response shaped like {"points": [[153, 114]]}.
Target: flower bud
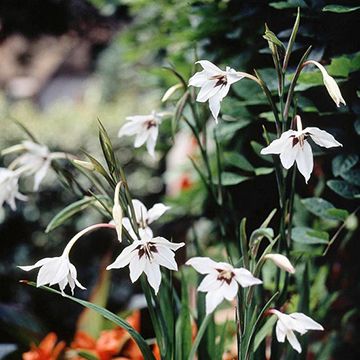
{"points": [[281, 261], [117, 212], [330, 84], [84, 164]]}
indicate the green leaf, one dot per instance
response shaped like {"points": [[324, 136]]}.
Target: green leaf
{"points": [[87, 355], [340, 9], [237, 160], [183, 326], [264, 331], [288, 4], [229, 179], [306, 235], [343, 188], [343, 163], [324, 209], [179, 109], [263, 171], [291, 40], [108, 150], [270, 36], [140, 341], [100, 169], [352, 176], [227, 130], [89, 322], [199, 336], [68, 212]]}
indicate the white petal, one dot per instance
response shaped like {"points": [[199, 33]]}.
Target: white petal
{"points": [[125, 257], [208, 90], [306, 321], [151, 140], [280, 331], [156, 211], [209, 67], [289, 154], [153, 274], [141, 212], [305, 161], [233, 77], [210, 283], [165, 257], [130, 128], [137, 266], [41, 173], [202, 265], [198, 79], [214, 105], [36, 265], [245, 278], [213, 299], [321, 137], [141, 138], [62, 270], [163, 242], [230, 290], [278, 145], [127, 225], [294, 342]]}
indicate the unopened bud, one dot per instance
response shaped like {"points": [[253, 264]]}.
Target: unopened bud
{"points": [[84, 164], [330, 84], [117, 212], [281, 261]]}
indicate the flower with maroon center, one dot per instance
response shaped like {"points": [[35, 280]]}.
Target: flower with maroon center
{"points": [[222, 280], [146, 129], [293, 146], [214, 84], [147, 255]]}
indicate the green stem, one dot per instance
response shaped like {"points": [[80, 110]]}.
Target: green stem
{"points": [[199, 336]]}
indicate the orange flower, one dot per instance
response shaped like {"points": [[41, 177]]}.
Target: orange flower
{"points": [[111, 342], [47, 349]]}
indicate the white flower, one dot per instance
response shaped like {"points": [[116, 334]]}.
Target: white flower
{"points": [[293, 146], [59, 270], [56, 270], [214, 83], [222, 280], [35, 160], [330, 84], [147, 255], [146, 129], [9, 188], [144, 217], [281, 261], [287, 324]]}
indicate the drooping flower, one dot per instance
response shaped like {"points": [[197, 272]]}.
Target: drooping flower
{"points": [[281, 261], [287, 324], [9, 188], [293, 146], [147, 255], [56, 270], [214, 83], [35, 160], [46, 350], [144, 217], [330, 84], [222, 280], [59, 270], [146, 129]]}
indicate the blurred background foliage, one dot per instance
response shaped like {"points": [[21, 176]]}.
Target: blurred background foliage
{"points": [[127, 45]]}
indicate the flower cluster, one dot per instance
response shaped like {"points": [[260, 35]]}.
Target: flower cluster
{"points": [[147, 254]]}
